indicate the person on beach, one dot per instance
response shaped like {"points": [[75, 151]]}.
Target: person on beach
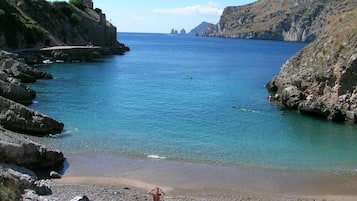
{"points": [[156, 193]]}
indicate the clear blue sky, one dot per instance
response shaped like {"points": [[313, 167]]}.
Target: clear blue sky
{"points": [[160, 16]]}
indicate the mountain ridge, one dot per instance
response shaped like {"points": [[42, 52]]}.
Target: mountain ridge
{"points": [[288, 20]]}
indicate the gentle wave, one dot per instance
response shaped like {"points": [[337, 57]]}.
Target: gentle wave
{"points": [[156, 157]]}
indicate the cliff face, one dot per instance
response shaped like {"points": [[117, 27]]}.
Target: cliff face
{"points": [[289, 20], [199, 30], [322, 78], [38, 23]]}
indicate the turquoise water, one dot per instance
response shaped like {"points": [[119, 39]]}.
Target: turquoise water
{"points": [[193, 99]]}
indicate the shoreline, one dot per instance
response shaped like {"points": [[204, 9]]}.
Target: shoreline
{"points": [[190, 179], [101, 187]]}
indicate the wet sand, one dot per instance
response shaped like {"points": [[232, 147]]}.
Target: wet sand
{"points": [[201, 181]]}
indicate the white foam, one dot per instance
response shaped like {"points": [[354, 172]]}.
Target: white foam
{"points": [[156, 156]]}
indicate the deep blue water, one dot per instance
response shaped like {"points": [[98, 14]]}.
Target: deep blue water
{"points": [[190, 98]]}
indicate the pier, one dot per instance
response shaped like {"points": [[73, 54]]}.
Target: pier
{"points": [[87, 47], [72, 53]]}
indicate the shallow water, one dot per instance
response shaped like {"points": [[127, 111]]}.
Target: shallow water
{"points": [[193, 99]]}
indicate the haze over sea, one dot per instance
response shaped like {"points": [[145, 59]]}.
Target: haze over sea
{"points": [[193, 99]]}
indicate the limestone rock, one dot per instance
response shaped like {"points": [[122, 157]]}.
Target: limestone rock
{"points": [[289, 20], [17, 68], [291, 96], [13, 72], [321, 79], [18, 118], [21, 151], [198, 30], [15, 92], [20, 179]]}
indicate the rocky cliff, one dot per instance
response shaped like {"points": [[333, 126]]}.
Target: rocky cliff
{"points": [[199, 29], [321, 79], [38, 23], [289, 20]]}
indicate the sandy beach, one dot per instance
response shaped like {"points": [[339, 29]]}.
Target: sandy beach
{"points": [[100, 188], [109, 177]]}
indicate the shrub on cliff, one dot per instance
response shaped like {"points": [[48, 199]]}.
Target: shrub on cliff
{"points": [[78, 3], [9, 190], [18, 30]]}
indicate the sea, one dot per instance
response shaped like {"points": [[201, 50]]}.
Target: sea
{"points": [[192, 99]]}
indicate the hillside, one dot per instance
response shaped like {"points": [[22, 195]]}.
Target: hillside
{"points": [[199, 29], [321, 79], [289, 20], [38, 23]]}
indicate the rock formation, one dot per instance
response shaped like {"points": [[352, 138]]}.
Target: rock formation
{"points": [[18, 150], [199, 29], [13, 73], [13, 93], [10, 86], [18, 118], [321, 79], [16, 67], [289, 20], [14, 180]]}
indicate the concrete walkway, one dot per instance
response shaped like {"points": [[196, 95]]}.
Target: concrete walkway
{"points": [[69, 48]]}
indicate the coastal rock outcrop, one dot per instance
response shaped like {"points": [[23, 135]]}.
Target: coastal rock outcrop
{"points": [[21, 151], [15, 180], [199, 29], [289, 20], [13, 73], [321, 79], [16, 67], [16, 117]]}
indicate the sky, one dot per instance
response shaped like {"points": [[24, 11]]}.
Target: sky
{"points": [[160, 16]]}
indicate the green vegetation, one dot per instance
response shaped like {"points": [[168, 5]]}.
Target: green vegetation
{"points": [[9, 190], [7, 193], [75, 19], [78, 3], [18, 28], [345, 28]]}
